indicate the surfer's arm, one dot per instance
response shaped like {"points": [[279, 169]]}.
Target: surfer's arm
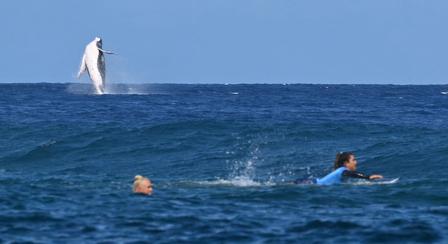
{"points": [[375, 177], [355, 174], [359, 175]]}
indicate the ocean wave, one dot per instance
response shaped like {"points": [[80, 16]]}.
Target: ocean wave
{"points": [[222, 163]]}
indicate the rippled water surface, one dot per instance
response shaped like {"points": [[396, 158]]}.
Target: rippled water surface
{"points": [[221, 158]]}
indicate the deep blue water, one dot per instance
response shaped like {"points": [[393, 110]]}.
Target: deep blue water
{"points": [[221, 157]]}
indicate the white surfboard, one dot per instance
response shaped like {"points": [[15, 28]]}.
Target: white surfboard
{"points": [[376, 182]]}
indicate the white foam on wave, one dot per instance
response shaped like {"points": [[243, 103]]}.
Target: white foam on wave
{"points": [[243, 172], [80, 89], [124, 89], [111, 89]]}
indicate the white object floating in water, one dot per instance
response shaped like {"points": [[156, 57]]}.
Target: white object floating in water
{"points": [[376, 182]]}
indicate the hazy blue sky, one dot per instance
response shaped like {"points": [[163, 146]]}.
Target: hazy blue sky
{"points": [[229, 41]]}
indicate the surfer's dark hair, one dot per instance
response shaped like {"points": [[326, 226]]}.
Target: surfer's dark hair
{"points": [[341, 158]]}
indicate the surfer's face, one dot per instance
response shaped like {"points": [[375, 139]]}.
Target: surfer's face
{"points": [[145, 187], [351, 163]]}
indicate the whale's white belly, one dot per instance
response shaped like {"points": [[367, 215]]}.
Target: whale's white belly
{"points": [[94, 63], [95, 66]]}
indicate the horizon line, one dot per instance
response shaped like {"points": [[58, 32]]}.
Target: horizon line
{"points": [[233, 83]]}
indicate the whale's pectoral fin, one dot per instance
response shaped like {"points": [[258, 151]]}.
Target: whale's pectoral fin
{"points": [[104, 51], [83, 67]]}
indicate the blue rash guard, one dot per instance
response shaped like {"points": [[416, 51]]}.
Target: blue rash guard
{"points": [[335, 177]]}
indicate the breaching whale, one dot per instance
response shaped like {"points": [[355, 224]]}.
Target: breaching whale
{"points": [[94, 62]]}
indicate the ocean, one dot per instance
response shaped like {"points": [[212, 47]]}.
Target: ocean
{"points": [[222, 158]]}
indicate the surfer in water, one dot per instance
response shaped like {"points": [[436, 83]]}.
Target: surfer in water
{"points": [[142, 185], [344, 169]]}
